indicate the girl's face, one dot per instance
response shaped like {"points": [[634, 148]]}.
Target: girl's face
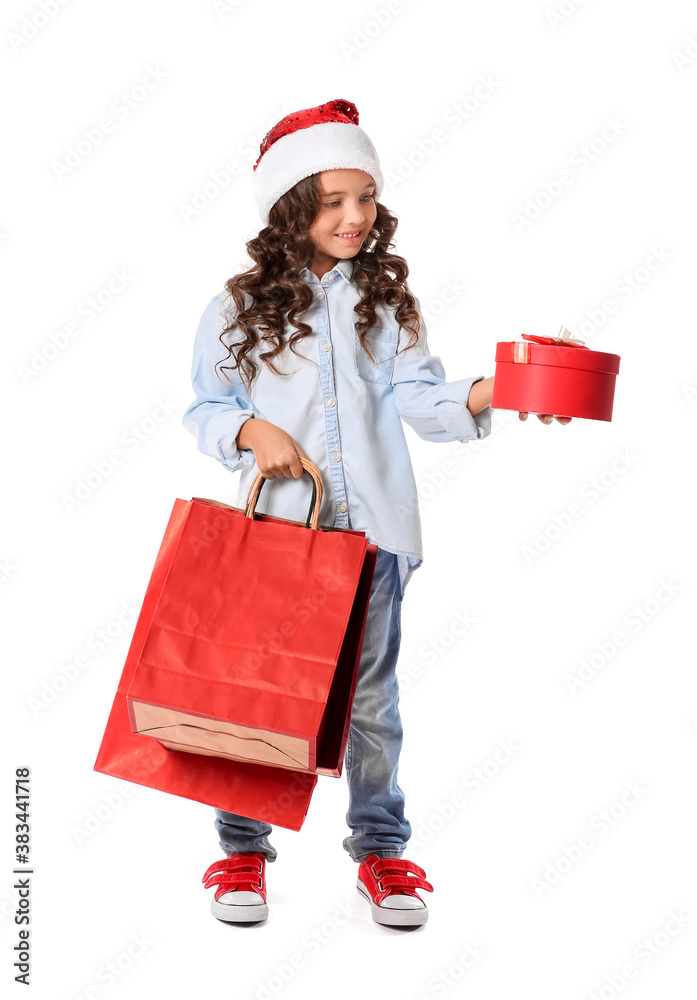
{"points": [[346, 216]]}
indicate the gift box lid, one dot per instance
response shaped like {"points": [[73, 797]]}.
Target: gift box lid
{"points": [[545, 351]]}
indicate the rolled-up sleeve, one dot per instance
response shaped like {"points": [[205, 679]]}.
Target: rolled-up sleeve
{"points": [[221, 405], [436, 409]]}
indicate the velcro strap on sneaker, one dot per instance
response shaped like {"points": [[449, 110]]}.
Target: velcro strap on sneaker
{"points": [[230, 881], [384, 865], [391, 882], [235, 863]]}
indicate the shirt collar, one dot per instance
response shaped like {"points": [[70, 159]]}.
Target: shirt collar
{"points": [[344, 268]]}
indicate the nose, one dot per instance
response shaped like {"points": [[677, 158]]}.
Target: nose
{"points": [[357, 222]]}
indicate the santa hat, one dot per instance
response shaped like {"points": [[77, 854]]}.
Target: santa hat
{"points": [[323, 138]]}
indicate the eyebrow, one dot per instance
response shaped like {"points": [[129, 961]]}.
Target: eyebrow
{"points": [[328, 194]]}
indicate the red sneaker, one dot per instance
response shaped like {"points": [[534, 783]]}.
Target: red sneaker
{"points": [[389, 887], [241, 887]]}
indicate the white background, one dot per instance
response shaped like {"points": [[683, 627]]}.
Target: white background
{"points": [[546, 590]]}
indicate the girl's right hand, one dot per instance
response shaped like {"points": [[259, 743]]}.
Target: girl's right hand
{"points": [[275, 451]]}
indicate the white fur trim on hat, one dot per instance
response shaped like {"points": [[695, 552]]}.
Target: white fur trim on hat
{"points": [[326, 146]]}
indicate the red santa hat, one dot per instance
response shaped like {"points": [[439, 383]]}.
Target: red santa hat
{"points": [[327, 137]]}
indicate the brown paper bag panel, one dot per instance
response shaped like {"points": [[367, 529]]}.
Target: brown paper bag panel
{"points": [[221, 737]]}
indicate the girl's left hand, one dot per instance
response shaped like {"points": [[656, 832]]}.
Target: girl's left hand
{"points": [[546, 418]]}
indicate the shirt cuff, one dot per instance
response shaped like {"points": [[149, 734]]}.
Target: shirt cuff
{"points": [[454, 417], [221, 435]]}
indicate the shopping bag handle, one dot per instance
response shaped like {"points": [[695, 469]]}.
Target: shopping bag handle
{"points": [[315, 503]]}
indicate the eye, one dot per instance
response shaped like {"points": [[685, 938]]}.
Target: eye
{"points": [[332, 204]]}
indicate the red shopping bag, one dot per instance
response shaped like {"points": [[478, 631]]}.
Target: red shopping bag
{"points": [[199, 711]]}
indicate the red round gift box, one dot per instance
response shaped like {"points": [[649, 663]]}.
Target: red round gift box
{"points": [[536, 376]]}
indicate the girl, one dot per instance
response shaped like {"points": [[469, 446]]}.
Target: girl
{"points": [[317, 351]]}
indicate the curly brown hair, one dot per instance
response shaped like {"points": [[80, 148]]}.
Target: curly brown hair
{"points": [[272, 290]]}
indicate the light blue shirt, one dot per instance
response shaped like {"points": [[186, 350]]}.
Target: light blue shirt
{"points": [[344, 411]]}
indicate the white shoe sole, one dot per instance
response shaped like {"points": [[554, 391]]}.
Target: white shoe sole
{"points": [[390, 915], [236, 913]]}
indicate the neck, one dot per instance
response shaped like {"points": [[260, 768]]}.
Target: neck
{"points": [[321, 269]]}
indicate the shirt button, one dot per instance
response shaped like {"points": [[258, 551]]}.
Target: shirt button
{"points": [[336, 456], [342, 507], [320, 295], [326, 347], [330, 401]]}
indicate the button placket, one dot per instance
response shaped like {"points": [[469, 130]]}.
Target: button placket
{"points": [[341, 518]]}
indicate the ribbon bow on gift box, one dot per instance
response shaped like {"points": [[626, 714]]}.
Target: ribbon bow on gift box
{"points": [[521, 351]]}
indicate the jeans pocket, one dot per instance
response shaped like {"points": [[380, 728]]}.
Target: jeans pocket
{"points": [[382, 342]]}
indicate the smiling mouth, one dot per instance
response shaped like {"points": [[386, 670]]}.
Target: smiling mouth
{"points": [[349, 236]]}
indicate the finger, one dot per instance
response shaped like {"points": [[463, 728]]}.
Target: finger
{"points": [[296, 468], [546, 418], [563, 420], [274, 472], [522, 416]]}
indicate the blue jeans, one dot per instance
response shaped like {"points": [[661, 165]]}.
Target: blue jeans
{"points": [[375, 814]]}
